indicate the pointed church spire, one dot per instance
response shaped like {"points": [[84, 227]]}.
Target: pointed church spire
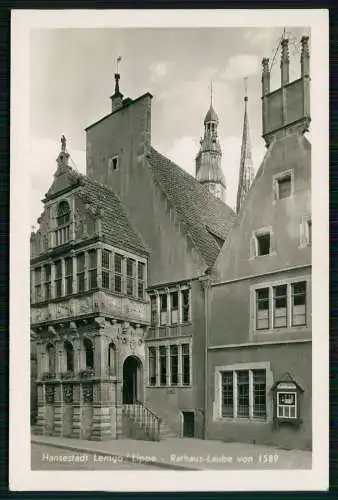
{"points": [[246, 171], [208, 160]]}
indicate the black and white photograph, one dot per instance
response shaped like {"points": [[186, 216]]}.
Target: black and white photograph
{"points": [[167, 283]]}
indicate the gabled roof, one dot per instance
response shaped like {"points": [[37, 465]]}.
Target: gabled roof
{"points": [[208, 219], [117, 228]]}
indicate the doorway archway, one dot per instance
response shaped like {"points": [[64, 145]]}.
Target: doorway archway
{"points": [[132, 380]]}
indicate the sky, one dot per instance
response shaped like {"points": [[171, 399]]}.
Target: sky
{"points": [[72, 78]]}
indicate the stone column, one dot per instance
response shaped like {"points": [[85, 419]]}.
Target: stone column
{"points": [[168, 306], [58, 411], [100, 349], [86, 275], [77, 354], [41, 416], [63, 277]]}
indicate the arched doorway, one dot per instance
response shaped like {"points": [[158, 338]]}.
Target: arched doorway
{"points": [[132, 380]]}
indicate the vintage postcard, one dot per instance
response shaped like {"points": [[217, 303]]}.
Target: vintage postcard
{"points": [[169, 296]]}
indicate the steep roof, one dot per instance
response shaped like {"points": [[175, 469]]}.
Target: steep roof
{"points": [[117, 229], [208, 219]]}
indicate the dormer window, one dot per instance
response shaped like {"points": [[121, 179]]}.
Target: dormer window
{"points": [[62, 234]]}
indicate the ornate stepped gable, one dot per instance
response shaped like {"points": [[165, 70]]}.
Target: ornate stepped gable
{"points": [[100, 202]]}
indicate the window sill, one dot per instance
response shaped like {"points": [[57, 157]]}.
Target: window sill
{"points": [[169, 386], [283, 330], [242, 420]]}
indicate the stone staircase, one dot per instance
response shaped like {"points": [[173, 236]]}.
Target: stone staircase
{"points": [[147, 425]]}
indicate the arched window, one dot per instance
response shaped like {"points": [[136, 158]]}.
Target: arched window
{"points": [[63, 214], [112, 359], [69, 356], [62, 233], [50, 349], [88, 346]]}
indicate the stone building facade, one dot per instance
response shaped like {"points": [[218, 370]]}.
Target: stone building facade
{"points": [[259, 353], [156, 310]]}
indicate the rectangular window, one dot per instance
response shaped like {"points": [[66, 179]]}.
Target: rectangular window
{"points": [[284, 187], [286, 405], [262, 309], [113, 164], [174, 308], [174, 364], [106, 269], [163, 365], [280, 306], [185, 306], [298, 314], [153, 307], [130, 277], [69, 275], [186, 364], [58, 279], [48, 281], [37, 277], [164, 309], [92, 269], [227, 394], [259, 393], [243, 394], [152, 365], [80, 272], [263, 244], [250, 388], [140, 279], [118, 273]]}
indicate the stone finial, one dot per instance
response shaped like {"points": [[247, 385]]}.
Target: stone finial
{"points": [[117, 84], [285, 62], [265, 76], [305, 56], [63, 143]]}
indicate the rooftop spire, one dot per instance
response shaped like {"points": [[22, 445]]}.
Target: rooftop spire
{"points": [[63, 157], [246, 171], [117, 97]]}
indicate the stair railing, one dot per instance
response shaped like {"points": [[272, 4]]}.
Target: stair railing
{"points": [[147, 419]]}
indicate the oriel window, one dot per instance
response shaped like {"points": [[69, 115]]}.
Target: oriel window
{"points": [[106, 256], [58, 279], [48, 281], [80, 272], [37, 277], [130, 277], [92, 269], [140, 280], [69, 275], [118, 273]]}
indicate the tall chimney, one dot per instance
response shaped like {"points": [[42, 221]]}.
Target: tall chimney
{"points": [[305, 57], [284, 64]]}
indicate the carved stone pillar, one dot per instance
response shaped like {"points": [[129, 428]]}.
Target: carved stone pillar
{"points": [[100, 349], [60, 361], [74, 288], [157, 349], [77, 354], [52, 279]]}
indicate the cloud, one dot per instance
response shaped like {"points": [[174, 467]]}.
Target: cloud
{"points": [[262, 37], [42, 166], [158, 70], [240, 66]]}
